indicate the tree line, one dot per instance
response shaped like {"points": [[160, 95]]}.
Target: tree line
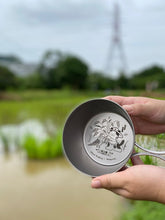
{"points": [[60, 71]]}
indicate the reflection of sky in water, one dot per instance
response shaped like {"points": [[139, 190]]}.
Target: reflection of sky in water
{"points": [[15, 134]]}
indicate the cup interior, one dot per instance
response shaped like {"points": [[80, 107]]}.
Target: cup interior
{"points": [[92, 152]]}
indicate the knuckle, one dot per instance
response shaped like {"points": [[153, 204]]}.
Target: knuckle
{"points": [[107, 182]]}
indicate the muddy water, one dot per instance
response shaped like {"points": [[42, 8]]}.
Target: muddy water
{"points": [[51, 190]]}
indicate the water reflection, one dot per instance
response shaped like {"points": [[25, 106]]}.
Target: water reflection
{"points": [[51, 190], [12, 136], [35, 167]]}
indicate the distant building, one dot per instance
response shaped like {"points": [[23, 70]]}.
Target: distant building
{"points": [[17, 66]]}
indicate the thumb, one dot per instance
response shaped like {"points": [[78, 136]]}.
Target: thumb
{"points": [[109, 181]]}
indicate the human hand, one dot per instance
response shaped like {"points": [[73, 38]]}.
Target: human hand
{"points": [[148, 115], [140, 182]]}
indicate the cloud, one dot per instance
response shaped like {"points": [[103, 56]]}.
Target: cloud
{"points": [[83, 27], [52, 12]]}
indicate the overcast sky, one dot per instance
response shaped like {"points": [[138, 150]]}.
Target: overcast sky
{"points": [[84, 27]]}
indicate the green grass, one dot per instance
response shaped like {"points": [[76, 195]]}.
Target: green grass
{"points": [[161, 136], [42, 105], [145, 210], [49, 148]]}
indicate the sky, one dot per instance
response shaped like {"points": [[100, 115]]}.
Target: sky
{"points": [[84, 28]]}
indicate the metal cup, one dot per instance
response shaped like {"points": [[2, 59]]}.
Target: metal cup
{"points": [[99, 137]]}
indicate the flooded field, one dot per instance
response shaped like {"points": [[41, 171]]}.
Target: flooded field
{"points": [[46, 188], [51, 190]]}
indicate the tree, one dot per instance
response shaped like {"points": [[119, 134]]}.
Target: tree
{"points": [[31, 81], [73, 72], [123, 82], [7, 79], [46, 68], [98, 81], [149, 75], [58, 70]]}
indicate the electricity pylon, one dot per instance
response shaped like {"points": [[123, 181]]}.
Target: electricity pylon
{"points": [[116, 43]]}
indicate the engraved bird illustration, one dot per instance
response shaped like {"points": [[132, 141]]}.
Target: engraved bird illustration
{"points": [[106, 134]]}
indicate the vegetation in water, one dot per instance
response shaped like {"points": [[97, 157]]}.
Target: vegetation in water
{"points": [[161, 136], [49, 148], [5, 142], [144, 210]]}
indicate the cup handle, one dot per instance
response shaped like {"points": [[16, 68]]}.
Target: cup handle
{"points": [[150, 151], [148, 154]]}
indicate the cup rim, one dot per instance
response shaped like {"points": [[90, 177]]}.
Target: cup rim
{"points": [[125, 160]]}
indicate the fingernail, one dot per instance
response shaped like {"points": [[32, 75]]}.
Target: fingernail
{"points": [[128, 108], [96, 184]]}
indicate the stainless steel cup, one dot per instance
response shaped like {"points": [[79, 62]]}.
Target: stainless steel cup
{"points": [[99, 138]]}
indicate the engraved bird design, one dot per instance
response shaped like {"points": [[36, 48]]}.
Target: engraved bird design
{"points": [[107, 135]]}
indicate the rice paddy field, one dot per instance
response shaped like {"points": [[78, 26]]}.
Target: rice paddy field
{"points": [[36, 180]]}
